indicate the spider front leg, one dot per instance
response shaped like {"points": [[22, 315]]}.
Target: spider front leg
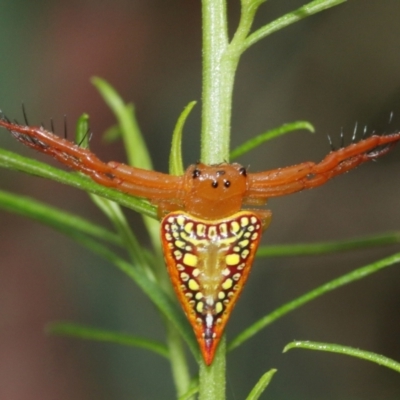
{"points": [[135, 181], [307, 175]]}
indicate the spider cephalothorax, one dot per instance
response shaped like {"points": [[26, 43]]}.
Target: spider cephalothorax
{"points": [[209, 237], [214, 191]]}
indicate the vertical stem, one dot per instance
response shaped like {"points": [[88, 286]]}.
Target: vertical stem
{"points": [[212, 378], [218, 75]]}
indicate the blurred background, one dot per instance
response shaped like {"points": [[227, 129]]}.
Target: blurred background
{"points": [[332, 69]]}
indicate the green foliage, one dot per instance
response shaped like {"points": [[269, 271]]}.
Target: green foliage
{"points": [[271, 134], [101, 335], [143, 266], [175, 158], [352, 276], [261, 385], [23, 164], [349, 351]]}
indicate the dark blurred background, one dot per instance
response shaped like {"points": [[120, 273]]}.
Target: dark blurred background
{"points": [[332, 69]]}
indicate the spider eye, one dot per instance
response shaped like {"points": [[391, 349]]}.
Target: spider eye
{"points": [[242, 171], [227, 183], [214, 184], [196, 173]]}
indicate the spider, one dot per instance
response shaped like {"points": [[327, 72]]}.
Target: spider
{"points": [[209, 239]]}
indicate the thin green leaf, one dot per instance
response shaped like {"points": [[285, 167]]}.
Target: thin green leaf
{"points": [[139, 157], [77, 228], [102, 335], [113, 211], [266, 136], [82, 131], [136, 149], [179, 367], [61, 220], [349, 351], [310, 249], [78, 231], [175, 157], [19, 163], [162, 301], [311, 8], [261, 385], [248, 11], [319, 291]]}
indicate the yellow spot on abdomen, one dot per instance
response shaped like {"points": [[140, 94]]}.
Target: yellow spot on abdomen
{"points": [[193, 285], [244, 243], [254, 236], [180, 220], [212, 232], [223, 229], [218, 307], [180, 244], [245, 253], [184, 276], [190, 260], [232, 259], [227, 284], [201, 229], [244, 221], [189, 227], [178, 254], [235, 227]]}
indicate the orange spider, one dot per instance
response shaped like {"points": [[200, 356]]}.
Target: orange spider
{"points": [[209, 239]]}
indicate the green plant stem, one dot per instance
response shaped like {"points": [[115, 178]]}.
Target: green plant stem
{"points": [[220, 61], [212, 378], [218, 78], [218, 75]]}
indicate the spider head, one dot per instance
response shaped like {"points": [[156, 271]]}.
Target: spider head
{"points": [[214, 191]]}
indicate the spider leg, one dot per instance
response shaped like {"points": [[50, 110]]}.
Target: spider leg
{"points": [[307, 175], [135, 181], [155, 185]]}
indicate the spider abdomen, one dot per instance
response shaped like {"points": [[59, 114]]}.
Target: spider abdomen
{"points": [[209, 263]]}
